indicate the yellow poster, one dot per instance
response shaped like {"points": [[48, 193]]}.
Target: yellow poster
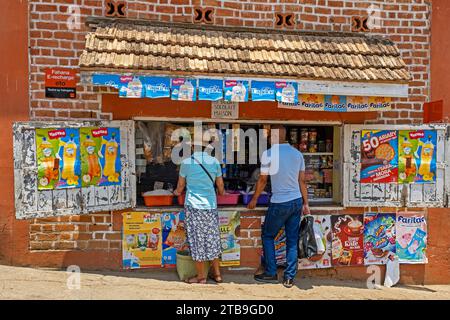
{"points": [[230, 225], [141, 244]]}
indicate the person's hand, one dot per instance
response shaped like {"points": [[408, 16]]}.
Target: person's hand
{"points": [[306, 210], [176, 192], [252, 203]]}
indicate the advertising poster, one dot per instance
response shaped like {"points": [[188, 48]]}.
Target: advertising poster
{"points": [[210, 89], [379, 156], [312, 102], [379, 237], [157, 87], [335, 103], [347, 246], [60, 83], [379, 103], [417, 156], [58, 158], [357, 104], [131, 87], [141, 244], [280, 247], [100, 156], [109, 80], [322, 260], [286, 92], [263, 91], [230, 228], [173, 237], [184, 89], [236, 90], [411, 229]]}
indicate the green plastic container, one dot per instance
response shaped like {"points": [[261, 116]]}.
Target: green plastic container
{"points": [[186, 266]]}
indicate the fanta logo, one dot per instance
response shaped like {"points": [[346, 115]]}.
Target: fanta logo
{"points": [[126, 79], [178, 82], [99, 132], [416, 135], [55, 134]]}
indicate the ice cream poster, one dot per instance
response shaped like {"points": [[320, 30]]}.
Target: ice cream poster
{"points": [[100, 156], [131, 87], [230, 229], [412, 234], [58, 158], [417, 156], [323, 233], [184, 89], [236, 90], [379, 237], [263, 91], [286, 92], [141, 243], [173, 237], [347, 247], [379, 156]]}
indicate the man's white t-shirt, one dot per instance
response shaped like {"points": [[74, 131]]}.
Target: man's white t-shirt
{"points": [[283, 163]]}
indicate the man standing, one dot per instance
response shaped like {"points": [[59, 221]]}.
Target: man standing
{"points": [[286, 167]]}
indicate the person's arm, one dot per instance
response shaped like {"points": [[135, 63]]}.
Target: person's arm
{"points": [[180, 185], [260, 186], [220, 186], [304, 191]]}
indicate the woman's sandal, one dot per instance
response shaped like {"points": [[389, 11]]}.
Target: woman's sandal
{"points": [[216, 278], [195, 280]]}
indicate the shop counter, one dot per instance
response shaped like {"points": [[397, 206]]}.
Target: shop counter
{"points": [[314, 209]]}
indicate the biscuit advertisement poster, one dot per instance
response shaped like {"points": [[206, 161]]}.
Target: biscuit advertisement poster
{"points": [[379, 237], [379, 156], [347, 246], [173, 237]]}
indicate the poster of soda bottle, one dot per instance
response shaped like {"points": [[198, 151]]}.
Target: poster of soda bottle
{"points": [[173, 237], [379, 237], [379, 156], [417, 156], [347, 246], [100, 156], [58, 158]]}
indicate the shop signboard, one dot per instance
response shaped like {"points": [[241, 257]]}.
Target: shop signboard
{"points": [[58, 158], [224, 110], [379, 237], [184, 89], [348, 240], [60, 83], [236, 90], [286, 92], [173, 237], [417, 156], [322, 260], [379, 156], [263, 91], [100, 156], [411, 239], [210, 89], [141, 244], [230, 226], [157, 87], [131, 87]]}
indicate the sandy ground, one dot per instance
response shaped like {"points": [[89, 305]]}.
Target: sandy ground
{"points": [[27, 283]]}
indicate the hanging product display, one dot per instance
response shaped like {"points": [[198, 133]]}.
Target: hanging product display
{"points": [[142, 244], [417, 156], [411, 231], [263, 91], [58, 158], [379, 237], [236, 90], [379, 156], [323, 235], [348, 240], [210, 89], [173, 237], [229, 224], [184, 89]]}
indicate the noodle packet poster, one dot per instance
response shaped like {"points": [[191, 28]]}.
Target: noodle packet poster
{"points": [[100, 156], [58, 158], [417, 156], [347, 246], [173, 237], [141, 244], [411, 241], [324, 261], [379, 156], [379, 237]]}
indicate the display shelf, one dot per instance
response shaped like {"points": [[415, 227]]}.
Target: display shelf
{"points": [[318, 153]]}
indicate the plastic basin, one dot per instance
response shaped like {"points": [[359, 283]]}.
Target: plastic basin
{"points": [[186, 266], [156, 201], [263, 198], [229, 198]]}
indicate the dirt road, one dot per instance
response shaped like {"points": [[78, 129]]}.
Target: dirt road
{"points": [[27, 283]]}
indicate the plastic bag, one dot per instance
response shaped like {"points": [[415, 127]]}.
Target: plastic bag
{"points": [[318, 235], [307, 246], [392, 271]]}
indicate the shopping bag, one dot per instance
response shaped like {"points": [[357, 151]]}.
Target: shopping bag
{"points": [[307, 246], [318, 235], [392, 271]]}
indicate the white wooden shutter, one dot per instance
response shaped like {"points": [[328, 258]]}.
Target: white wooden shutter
{"points": [[32, 203], [357, 194]]}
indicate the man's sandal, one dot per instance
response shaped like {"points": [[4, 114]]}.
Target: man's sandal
{"points": [[195, 280]]}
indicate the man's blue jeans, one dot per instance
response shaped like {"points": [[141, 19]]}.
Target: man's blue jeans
{"points": [[285, 214]]}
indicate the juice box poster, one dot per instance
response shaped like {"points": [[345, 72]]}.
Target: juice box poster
{"points": [[100, 156], [236, 90], [173, 237], [141, 244], [417, 156], [379, 156], [412, 234], [323, 259], [58, 158], [184, 89], [230, 229], [347, 247], [379, 237]]}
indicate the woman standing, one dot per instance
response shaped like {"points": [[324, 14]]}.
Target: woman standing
{"points": [[200, 173]]}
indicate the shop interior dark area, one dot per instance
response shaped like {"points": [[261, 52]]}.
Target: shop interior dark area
{"points": [[157, 174]]}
